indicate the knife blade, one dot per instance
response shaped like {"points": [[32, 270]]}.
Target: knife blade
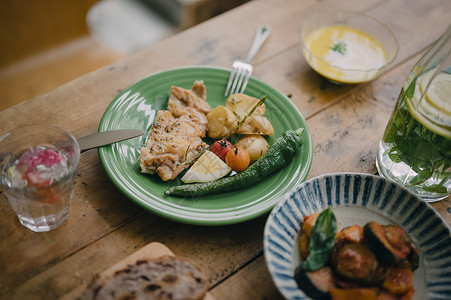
{"points": [[107, 137]]}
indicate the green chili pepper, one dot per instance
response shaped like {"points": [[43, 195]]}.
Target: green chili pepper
{"points": [[277, 156], [322, 241]]}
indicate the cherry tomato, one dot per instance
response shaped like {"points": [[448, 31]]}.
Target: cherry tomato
{"points": [[220, 148], [237, 159]]}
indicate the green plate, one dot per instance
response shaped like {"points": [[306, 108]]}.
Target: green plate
{"points": [[136, 108]]}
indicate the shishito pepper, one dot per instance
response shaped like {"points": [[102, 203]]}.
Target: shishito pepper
{"points": [[278, 155]]}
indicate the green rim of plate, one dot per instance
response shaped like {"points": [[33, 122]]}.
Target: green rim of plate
{"points": [[135, 108]]}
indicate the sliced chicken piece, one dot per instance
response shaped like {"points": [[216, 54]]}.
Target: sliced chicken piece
{"points": [[176, 135], [183, 102], [195, 98], [167, 159], [166, 124], [199, 89]]}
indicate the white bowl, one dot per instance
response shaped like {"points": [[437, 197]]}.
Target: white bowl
{"points": [[360, 22], [357, 199]]}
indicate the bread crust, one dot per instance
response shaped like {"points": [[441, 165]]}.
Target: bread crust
{"points": [[167, 277]]}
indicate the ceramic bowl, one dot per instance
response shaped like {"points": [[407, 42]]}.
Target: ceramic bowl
{"points": [[363, 23], [357, 199]]}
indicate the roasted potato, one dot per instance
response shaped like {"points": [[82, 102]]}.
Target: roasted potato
{"points": [[256, 125], [241, 105], [222, 123], [254, 144]]}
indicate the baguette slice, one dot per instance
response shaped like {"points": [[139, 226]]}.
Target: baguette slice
{"points": [[166, 277]]}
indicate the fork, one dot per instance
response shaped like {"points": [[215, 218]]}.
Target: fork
{"points": [[242, 69]]}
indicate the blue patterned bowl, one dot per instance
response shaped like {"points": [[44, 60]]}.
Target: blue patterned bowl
{"points": [[357, 199]]}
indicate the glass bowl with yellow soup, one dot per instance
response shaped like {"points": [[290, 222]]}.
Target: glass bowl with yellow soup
{"points": [[347, 47]]}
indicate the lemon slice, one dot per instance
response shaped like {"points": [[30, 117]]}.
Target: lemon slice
{"points": [[208, 167], [426, 112], [439, 92], [434, 109]]}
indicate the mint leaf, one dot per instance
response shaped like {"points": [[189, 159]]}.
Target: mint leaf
{"points": [[411, 89], [436, 188], [427, 153]]}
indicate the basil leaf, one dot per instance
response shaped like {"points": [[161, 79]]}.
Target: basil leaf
{"points": [[322, 241]]}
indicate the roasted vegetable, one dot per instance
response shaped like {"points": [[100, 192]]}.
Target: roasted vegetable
{"points": [[389, 243], [278, 155], [414, 257], [399, 281], [353, 234], [256, 125], [384, 295], [322, 241], [408, 295], [222, 123], [250, 113], [241, 105], [309, 223], [353, 269], [354, 294], [255, 145], [241, 115], [356, 262], [303, 246], [315, 284]]}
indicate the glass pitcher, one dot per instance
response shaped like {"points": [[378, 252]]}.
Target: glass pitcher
{"points": [[415, 150]]}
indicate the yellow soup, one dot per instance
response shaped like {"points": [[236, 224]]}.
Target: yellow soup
{"points": [[344, 54]]}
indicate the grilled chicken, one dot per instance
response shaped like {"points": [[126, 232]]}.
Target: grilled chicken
{"points": [[176, 135]]}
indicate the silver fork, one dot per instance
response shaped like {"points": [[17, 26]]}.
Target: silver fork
{"points": [[242, 69]]}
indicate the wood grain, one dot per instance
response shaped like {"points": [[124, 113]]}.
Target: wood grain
{"points": [[31, 26], [104, 227], [43, 72]]}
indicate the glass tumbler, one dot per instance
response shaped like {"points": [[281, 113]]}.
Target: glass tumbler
{"points": [[415, 150], [38, 163]]}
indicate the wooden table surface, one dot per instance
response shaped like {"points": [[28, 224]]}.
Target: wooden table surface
{"points": [[104, 227]]}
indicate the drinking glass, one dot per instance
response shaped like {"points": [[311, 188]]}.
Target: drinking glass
{"points": [[415, 150], [38, 163]]}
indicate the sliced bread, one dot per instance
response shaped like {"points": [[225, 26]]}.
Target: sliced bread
{"points": [[166, 277]]}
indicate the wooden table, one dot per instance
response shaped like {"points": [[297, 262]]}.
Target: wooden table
{"points": [[104, 227]]}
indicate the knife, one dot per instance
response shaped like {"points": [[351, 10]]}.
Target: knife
{"points": [[107, 137]]}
